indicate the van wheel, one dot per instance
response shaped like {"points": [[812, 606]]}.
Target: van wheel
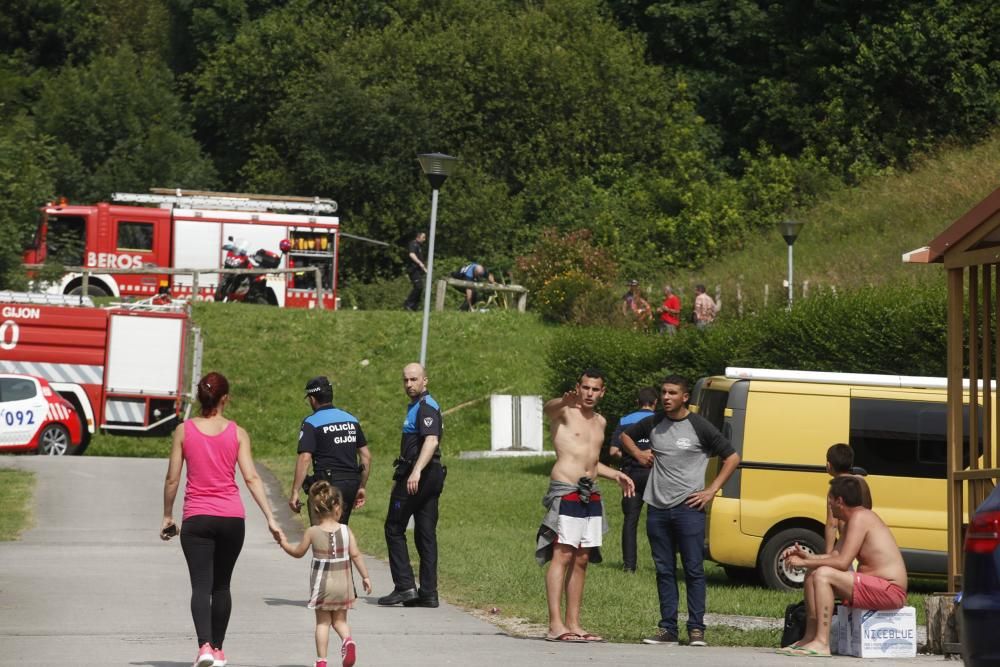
{"points": [[773, 571]]}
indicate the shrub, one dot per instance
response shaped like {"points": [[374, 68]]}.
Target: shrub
{"points": [[555, 254], [377, 295], [896, 330], [560, 269]]}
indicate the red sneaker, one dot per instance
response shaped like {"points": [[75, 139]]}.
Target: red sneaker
{"points": [[349, 652]]}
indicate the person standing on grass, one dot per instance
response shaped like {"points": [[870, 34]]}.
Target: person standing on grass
{"points": [[574, 524], [879, 583], [840, 462], [331, 580], [632, 505], [331, 440], [416, 270], [681, 444], [214, 518], [418, 483], [670, 311], [704, 307]]}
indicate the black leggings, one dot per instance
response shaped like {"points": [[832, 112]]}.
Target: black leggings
{"points": [[211, 546]]}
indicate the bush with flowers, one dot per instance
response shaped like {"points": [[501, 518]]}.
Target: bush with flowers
{"points": [[563, 268]]}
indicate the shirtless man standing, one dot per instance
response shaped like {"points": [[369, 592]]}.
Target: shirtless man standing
{"points": [[574, 524], [879, 582]]}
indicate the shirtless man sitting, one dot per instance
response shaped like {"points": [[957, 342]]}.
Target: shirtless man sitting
{"points": [[879, 582], [573, 527]]}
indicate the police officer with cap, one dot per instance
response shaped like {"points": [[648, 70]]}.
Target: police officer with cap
{"points": [[332, 441], [418, 482]]}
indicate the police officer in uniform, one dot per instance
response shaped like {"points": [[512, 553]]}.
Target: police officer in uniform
{"points": [[332, 441], [418, 482], [632, 506], [416, 270]]}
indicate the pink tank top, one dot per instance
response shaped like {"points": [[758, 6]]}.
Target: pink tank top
{"points": [[211, 473]]}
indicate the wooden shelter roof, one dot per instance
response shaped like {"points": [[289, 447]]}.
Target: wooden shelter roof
{"points": [[975, 236]]}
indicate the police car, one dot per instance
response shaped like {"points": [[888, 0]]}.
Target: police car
{"points": [[33, 417]]}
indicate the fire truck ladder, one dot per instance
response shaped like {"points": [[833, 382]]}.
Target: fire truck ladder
{"points": [[227, 201], [41, 299]]}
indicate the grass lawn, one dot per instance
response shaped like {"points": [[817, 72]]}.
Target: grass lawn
{"points": [[16, 492]]}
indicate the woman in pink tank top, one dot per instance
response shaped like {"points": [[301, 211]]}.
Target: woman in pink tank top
{"points": [[213, 529]]}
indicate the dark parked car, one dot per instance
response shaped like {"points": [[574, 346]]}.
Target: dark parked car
{"points": [[981, 586]]}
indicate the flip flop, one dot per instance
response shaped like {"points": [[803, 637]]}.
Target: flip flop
{"points": [[587, 637], [566, 637], [808, 653], [787, 650]]}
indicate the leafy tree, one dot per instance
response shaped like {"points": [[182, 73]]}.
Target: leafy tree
{"points": [[534, 99], [862, 84], [119, 126], [26, 160]]}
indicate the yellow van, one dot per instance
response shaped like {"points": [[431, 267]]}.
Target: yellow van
{"points": [[782, 422]]}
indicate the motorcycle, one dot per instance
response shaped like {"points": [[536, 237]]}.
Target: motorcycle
{"points": [[248, 287]]}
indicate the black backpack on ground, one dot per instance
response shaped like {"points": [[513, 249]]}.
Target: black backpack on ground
{"points": [[795, 623]]}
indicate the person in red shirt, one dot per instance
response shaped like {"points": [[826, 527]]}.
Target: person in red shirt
{"points": [[670, 311]]}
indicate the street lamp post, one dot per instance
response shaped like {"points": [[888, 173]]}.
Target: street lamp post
{"points": [[437, 167], [790, 229]]}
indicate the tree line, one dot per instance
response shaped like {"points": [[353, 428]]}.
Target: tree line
{"points": [[670, 130]]}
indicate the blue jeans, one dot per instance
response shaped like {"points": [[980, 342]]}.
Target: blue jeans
{"points": [[678, 529]]}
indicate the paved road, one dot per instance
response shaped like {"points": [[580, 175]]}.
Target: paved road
{"points": [[91, 584]]}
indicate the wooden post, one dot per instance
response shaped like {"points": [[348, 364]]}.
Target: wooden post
{"points": [[942, 624], [439, 296], [956, 321], [194, 286], [522, 302], [805, 288], [86, 285], [767, 289], [739, 300]]}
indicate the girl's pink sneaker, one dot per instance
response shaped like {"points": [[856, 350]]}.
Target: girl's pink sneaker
{"points": [[349, 652], [220, 658]]}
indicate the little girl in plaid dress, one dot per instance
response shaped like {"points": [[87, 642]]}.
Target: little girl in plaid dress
{"points": [[331, 579]]}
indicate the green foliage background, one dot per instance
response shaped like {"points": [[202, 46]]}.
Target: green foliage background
{"points": [[672, 130]]}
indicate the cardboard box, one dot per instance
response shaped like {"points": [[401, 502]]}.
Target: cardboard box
{"points": [[881, 634], [840, 632]]}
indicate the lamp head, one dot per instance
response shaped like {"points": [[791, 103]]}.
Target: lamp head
{"points": [[437, 167], [790, 229]]}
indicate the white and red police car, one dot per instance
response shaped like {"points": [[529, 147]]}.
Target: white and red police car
{"points": [[33, 417]]}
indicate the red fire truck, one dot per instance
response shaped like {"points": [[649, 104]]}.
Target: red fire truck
{"points": [[187, 230], [124, 367]]}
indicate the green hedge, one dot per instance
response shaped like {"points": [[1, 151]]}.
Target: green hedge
{"points": [[896, 330]]}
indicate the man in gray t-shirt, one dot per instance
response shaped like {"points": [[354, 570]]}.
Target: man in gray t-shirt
{"points": [[682, 443]]}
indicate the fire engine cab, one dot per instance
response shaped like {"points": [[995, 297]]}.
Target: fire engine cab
{"points": [[187, 230], [123, 367]]}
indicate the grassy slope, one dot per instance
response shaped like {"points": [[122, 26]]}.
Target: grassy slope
{"points": [[857, 236]]}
